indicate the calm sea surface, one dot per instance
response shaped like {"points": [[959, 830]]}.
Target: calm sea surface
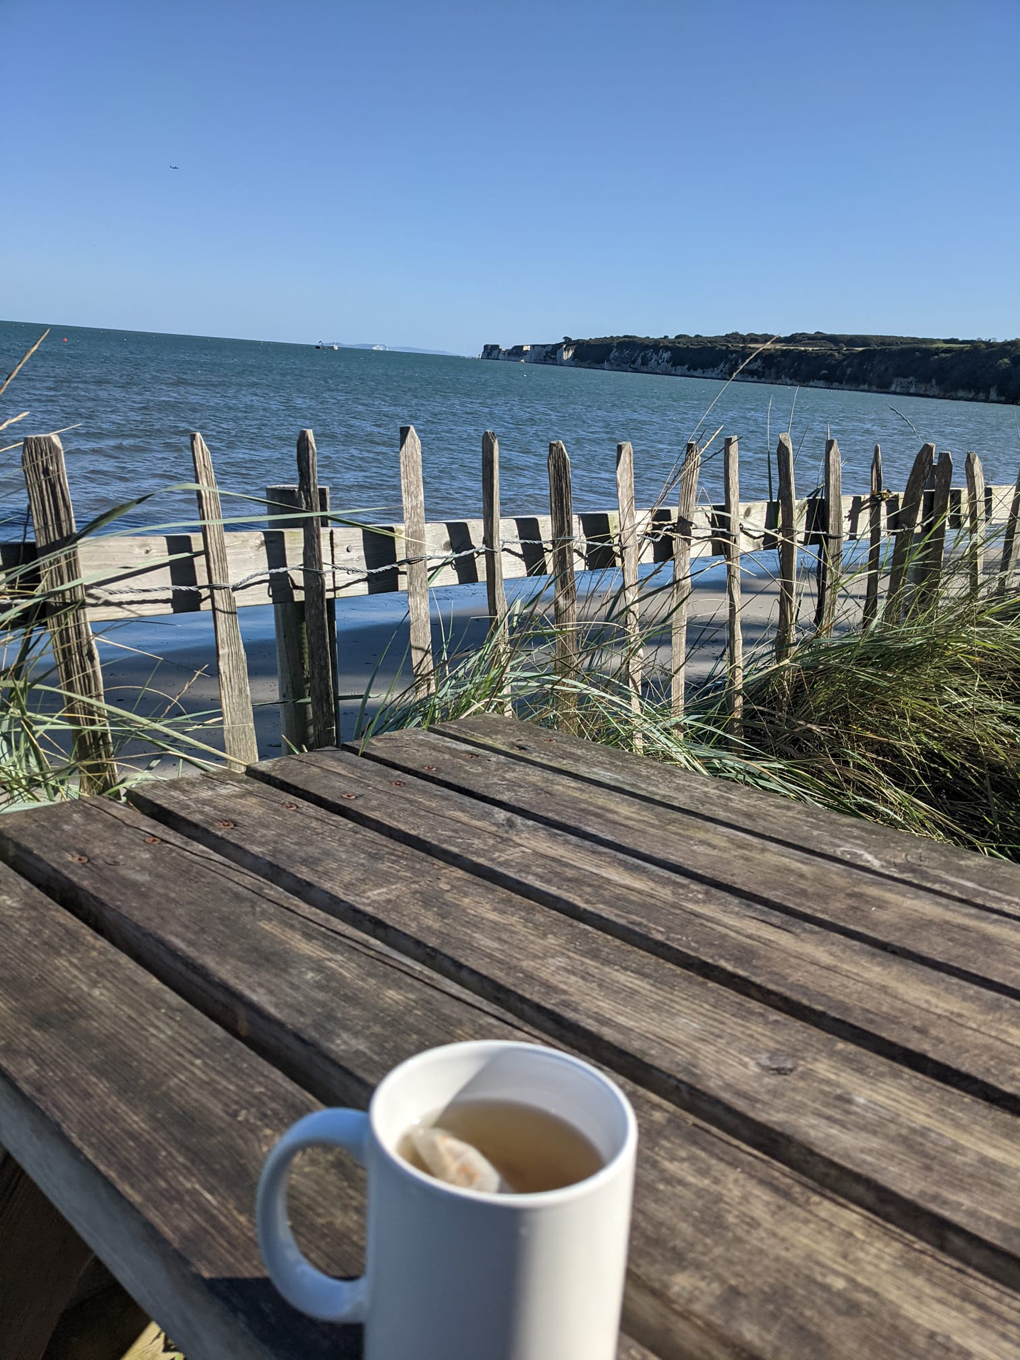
{"points": [[135, 397]]}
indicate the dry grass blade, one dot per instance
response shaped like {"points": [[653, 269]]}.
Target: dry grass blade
{"points": [[22, 362], [913, 724], [63, 430]]}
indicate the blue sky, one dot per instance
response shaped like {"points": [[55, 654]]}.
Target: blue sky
{"points": [[448, 172]]}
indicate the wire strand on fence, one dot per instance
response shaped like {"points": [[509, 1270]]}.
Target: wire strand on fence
{"points": [[438, 559], [753, 532]]}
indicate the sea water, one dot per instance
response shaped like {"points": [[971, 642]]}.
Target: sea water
{"points": [[132, 399]]}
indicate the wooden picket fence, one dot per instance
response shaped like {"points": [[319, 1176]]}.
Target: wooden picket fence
{"points": [[306, 559]]}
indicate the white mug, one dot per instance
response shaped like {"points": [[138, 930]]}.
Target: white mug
{"points": [[454, 1274]]}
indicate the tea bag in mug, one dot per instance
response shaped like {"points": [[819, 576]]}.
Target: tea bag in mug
{"points": [[457, 1163], [452, 1273]]}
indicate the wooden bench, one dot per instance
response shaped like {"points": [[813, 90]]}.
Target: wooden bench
{"points": [[818, 1023]]}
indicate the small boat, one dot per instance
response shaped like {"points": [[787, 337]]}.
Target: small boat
{"points": [[320, 345]]}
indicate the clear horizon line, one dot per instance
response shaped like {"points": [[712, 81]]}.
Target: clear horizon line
{"points": [[247, 339]]}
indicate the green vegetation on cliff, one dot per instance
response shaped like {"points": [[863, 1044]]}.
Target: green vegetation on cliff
{"points": [[979, 370]]}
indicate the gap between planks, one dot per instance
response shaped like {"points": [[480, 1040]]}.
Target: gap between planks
{"points": [[947, 1029], [977, 947], [938, 868], [789, 1244], [413, 903]]}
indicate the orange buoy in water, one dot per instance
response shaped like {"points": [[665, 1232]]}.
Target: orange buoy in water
{"points": [[65, 339]]}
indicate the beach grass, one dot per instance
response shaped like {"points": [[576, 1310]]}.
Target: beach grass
{"points": [[913, 724]]}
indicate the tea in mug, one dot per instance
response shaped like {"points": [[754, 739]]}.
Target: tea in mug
{"points": [[500, 1146]]}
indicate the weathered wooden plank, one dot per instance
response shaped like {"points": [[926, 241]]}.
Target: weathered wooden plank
{"points": [[494, 592], [981, 882], [680, 594], [978, 946], [289, 621], [125, 576], [1010, 542], [144, 565], [146, 1126], [830, 557], [857, 1124], [702, 541], [41, 1261], [789, 1249], [928, 517], [412, 490], [166, 573], [874, 539], [787, 547], [933, 549], [564, 583], [74, 648], [321, 651], [239, 742], [734, 632], [491, 528], [630, 604], [149, 905], [906, 522], [948, 1029], [976, 526]]}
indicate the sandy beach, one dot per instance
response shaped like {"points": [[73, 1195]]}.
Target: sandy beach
{"points": [[170, 664]]}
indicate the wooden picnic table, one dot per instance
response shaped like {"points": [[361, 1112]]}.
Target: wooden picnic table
{"points": [[817, 1021]]}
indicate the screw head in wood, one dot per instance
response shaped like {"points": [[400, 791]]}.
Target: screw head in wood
{"points": [[430, 767], [290, 806], [225, 826], [80, 859], [348, 795], [398, 783], [153, 840], [781, 1064]]}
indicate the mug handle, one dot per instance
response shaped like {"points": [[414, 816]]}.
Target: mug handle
{"points": [[304, 1287]]}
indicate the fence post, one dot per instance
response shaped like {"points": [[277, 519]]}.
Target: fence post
{"points": [[239, 741], [629, 569], [787, 547], [321, 651], [732, 541], [933, 548], [925, 521], [412, 491], [975, 519], [681, 593], [495, 593], [289, 627], [906, 522], [830, 559], [1010, 543], [564, 584], [874, 538], [74, 648]]}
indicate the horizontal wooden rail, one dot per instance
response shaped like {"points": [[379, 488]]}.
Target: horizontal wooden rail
{"points": [[167, 574]]}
